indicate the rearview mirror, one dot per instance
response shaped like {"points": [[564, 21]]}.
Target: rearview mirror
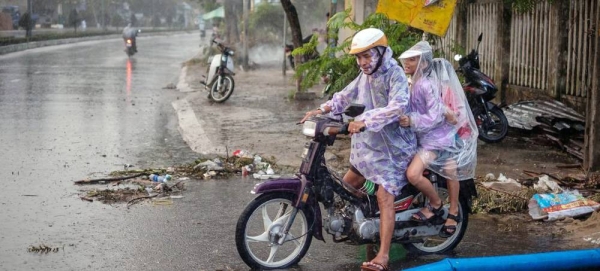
{"points": [[354, 110]]}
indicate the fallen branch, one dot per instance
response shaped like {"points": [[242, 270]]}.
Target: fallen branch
{"points": [[95, 181], [503, 192], [132, 201], [569, 166], [531, 173]]}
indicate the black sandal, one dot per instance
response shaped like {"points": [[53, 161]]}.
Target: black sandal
{"points": [[449, 230], [436, 218]]}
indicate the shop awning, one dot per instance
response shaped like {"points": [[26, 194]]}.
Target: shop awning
{"points": [[217, 13]]}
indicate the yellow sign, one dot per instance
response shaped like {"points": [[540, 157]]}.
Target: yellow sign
{"points": [[433, 19]]}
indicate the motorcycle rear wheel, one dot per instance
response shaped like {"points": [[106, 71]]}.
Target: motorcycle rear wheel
{"points": [[436, 244], [221, 94], [258, 227], [491, 133]]}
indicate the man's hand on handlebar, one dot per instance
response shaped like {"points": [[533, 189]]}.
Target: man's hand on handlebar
{"points": [[356, 127], [310, 114]]}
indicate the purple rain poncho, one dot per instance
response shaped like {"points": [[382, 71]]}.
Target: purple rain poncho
{"points": [[383, 151], [448, 148]]}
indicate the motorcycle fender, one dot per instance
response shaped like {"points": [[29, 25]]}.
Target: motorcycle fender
{"points": [[293, 185], [214, 64], [230, 65], [490, 105], [227, 70]]}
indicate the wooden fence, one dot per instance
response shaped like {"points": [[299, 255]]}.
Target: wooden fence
{"points": [[546, 52]]}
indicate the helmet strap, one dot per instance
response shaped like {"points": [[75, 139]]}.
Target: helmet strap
{"points": [[379, 61]]}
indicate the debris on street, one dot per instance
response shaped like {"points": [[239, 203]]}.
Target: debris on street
{"points": [[133, 186], [260, 169], [505, 195], [554, 206], [555, 121], [42, 249]]}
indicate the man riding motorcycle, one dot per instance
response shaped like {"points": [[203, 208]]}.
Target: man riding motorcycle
{"points": [[130, 33]]}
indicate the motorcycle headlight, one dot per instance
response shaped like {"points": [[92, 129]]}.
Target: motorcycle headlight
{"points": [[457, 57], [309, 128]]}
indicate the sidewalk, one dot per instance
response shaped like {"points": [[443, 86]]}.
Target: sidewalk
{"points": [[259, 117]]}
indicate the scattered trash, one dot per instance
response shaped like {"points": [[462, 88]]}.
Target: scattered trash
{"points": [[176, 196], [544, 184], [264, 176], [502, 184], [170, 86], [159, 179], [490, 177], [43, 249], [162, 201], [242, 153], [553, 206], [209, 165]]}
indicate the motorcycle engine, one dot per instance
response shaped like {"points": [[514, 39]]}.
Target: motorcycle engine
{"points": [[366, 228], [338, 222], [349, 221]]}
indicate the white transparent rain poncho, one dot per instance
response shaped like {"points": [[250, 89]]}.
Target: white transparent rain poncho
{"points": [[462, 155], [441, 117]]}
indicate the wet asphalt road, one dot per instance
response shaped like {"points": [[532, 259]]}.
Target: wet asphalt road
{"points": [[83, 110]]}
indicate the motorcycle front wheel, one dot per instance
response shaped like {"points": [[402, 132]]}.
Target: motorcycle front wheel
{"points": [[221, 93], [436, 244], [493, 127], [260, 228]]}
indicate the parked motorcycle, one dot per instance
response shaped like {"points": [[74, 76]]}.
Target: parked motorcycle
{"points": [[289, 48], [276, 229], [480, 90], [219, 79]]}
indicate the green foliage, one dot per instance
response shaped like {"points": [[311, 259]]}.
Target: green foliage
{"points": [[25, 21], [342, 69]]}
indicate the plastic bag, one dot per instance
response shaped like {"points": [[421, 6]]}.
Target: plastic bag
{"points": [[556, 206]]}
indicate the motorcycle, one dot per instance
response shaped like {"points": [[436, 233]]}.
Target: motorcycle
{"points": [[129, 49], [219, 79], [480, 90], [276, 229], [289, 48]]}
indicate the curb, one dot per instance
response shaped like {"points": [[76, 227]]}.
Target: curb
{"points": [[37, 44]]}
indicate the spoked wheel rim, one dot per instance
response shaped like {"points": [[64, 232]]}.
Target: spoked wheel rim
{"points": [[435, 244], [263, 231], [222, 93]]}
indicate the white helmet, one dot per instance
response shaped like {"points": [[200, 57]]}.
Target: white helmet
{"points": [[367, 39]]}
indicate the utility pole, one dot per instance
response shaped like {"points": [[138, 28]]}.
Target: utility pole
{"points": [[245, 63], [30, 21]]}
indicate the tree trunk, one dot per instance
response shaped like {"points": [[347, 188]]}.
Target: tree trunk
{"points": [[231, 21], [591, 158], [292, 16]]}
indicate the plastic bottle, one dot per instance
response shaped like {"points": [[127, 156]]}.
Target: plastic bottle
{"points": [[159, 179]]}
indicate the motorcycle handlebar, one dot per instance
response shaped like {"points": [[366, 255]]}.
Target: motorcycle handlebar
{"points": [[343, 130]]}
